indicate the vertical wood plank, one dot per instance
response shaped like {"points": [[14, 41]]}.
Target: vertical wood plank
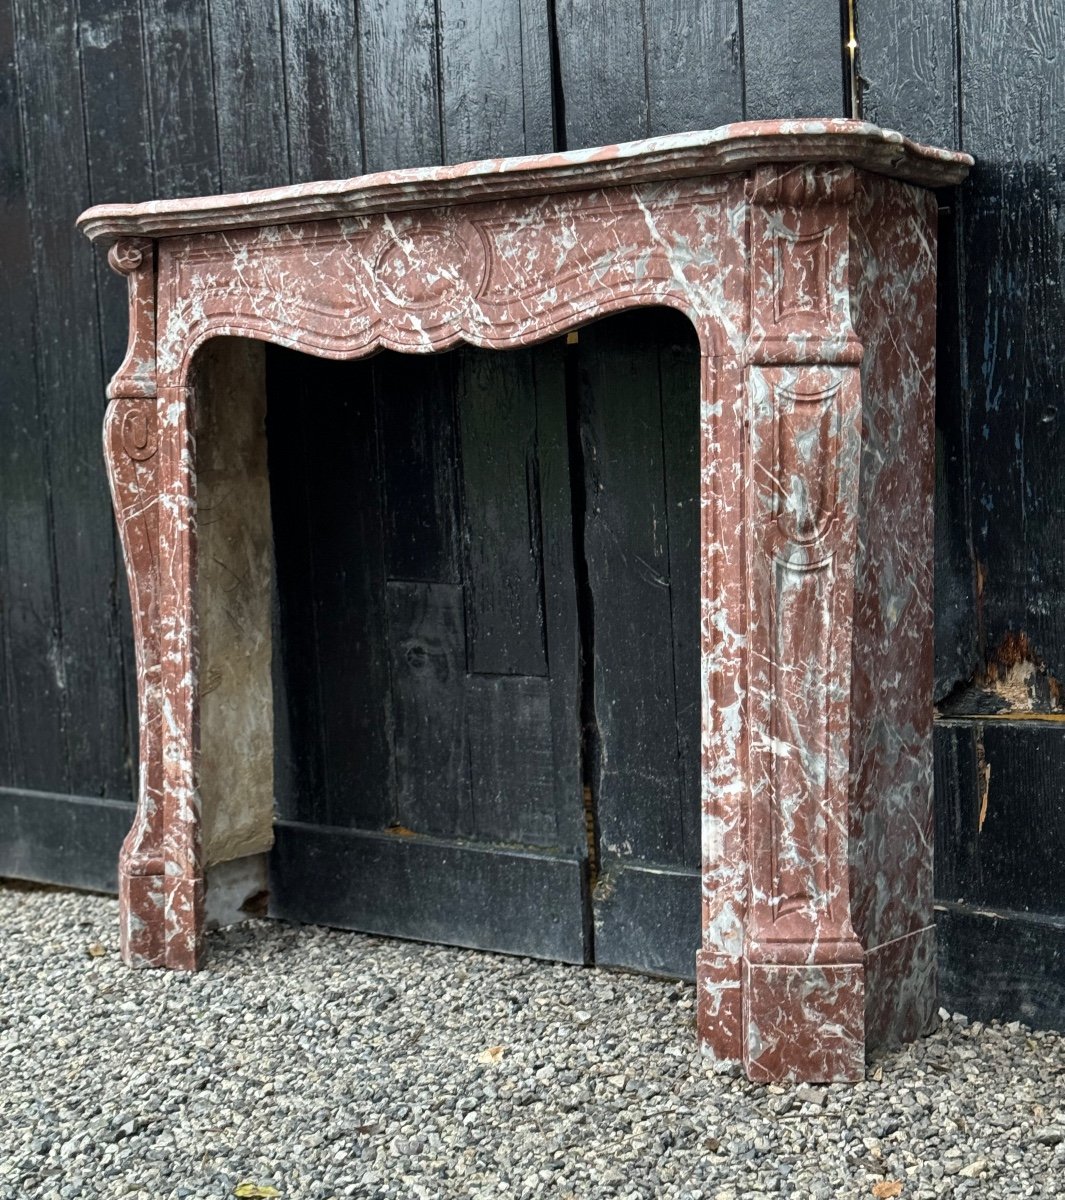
{"points": [[602, 59], [349, 595], [1001, 818], [501, 514], [399, 74], [557, 515], [638, 787], [249, 88], [85, 654], [792, 59], [512, 776], [181, 98], [331, 576], [118, 143], [419, 452], [495, 81], [955, 610], [118, 140], [678, 358], [427, 638], [1014, 295], [908, 64], [643, 67], [958, 755], [538, 76], [322, 88], [694, 67], [32, 739]]}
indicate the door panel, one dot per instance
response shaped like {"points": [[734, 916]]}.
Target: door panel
{"points": [[428, 672], [488, 611], [639, 403]]}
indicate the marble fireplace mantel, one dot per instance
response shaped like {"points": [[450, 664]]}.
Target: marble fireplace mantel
{"points": [[803, 253]]}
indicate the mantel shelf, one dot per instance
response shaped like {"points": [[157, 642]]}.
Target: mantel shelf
{"points": [[730, 148]]}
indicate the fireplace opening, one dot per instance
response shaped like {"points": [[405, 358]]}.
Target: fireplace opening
{"points": [[469, 671]]}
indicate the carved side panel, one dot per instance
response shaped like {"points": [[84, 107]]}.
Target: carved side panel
{"points": [[801, 299], [804, 406], [803, 490]]}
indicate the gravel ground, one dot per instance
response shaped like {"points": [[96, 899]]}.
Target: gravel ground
{"points": [[307, 1063]]}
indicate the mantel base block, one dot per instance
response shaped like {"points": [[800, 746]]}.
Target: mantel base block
{"points": [[719, 1007], [804, 1023], [142, 939], [900, 994], [161, 921]]}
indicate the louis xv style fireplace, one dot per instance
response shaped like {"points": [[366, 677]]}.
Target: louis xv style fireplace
{"points": [[803, 253]]}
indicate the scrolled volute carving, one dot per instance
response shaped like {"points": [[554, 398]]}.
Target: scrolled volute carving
{"points": [[135, 258], [128, 254]]}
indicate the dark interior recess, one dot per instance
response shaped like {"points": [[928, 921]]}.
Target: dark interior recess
{"points": [[487, 662]]}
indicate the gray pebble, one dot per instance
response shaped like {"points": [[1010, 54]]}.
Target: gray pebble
{"points": [[328, 1064]]}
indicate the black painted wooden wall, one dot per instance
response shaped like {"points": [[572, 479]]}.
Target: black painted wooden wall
{"points": [[101, 100]]}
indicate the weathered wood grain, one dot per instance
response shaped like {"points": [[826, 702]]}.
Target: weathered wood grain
{"points": [[249, 93], [83, 642], [181, 98], [678, 367], [641, 776], [322, 88], [643, 67], [120, 158], [429, 889], [501, 506], [1014, 370], [32, 750], [555, 422], [908, 65], [427, 638], [495, 86], [324, 458], [54, 836], [508, 723], [694, 64], [399, 72], [1000, 826], [417, 427], [792, 59], [603, 71], [1001, 964]]}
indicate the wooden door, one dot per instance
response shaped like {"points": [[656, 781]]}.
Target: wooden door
{"points": [[488, 702], [429, 725], [638, 397]]}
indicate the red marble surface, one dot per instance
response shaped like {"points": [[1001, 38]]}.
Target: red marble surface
{"points": [[808, 275]]}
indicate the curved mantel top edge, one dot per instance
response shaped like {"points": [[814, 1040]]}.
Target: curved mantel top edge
{"points": [[727, 149]]}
